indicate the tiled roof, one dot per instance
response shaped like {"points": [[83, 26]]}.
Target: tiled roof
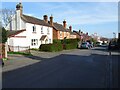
{"points": [[72, 33], [77, 33], [103, 39], [59, 27], [34, 20], [43, 37], [14, 32]]}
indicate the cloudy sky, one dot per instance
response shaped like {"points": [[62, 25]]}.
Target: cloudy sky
{"points": [[91, 17]]}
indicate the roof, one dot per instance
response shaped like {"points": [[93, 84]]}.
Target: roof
{"points": [[34, 20], [72, 33], [43, 37], [59, 27], [103, 39], [14, 32], [77, 33]]}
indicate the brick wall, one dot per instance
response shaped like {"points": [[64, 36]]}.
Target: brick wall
{"points": [[55, 34]]}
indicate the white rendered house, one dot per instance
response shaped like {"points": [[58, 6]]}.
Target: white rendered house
{"points": [[24, 30]]}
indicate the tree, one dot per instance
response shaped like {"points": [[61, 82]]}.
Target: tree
{"points": [[3, 33], [6, 16]]}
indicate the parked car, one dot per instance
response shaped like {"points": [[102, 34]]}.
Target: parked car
{"points": [[91, 44], [85, 45], [113, 46]]}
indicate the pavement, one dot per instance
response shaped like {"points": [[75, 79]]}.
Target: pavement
{"points": [[94, 68]]}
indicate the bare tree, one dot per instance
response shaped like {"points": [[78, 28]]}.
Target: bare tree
{"points": [[6, 16]]}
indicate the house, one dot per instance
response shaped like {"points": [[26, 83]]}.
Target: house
{"points": [[82, 36], [24, 30], [60, 31], [103, 40]]}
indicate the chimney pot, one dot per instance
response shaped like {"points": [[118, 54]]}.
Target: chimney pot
{"points": [[45, 17], [70, 27], [19, 7], [51, 20], [64, 24]]}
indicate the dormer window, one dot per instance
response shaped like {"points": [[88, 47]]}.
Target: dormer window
{"points": [[34, 29]]}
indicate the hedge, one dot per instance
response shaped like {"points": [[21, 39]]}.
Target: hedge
{"points": [[59, 45], [69, 41], [71, 46], [51, 47]]}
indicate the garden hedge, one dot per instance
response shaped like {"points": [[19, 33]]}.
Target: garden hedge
{"points": [[51, 47]]}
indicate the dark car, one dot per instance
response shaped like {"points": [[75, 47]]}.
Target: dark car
{"points": [[113, 46]]}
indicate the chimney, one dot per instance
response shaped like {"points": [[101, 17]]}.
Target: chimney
{"points": [[64, 24], [87, 33], [51, 20], [45, 17], [19, 7], [70, 27]]}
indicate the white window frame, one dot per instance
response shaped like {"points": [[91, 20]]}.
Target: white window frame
{"points": [[34, 42], [34, 29], [49, 40]]}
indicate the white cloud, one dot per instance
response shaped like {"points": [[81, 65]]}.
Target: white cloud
{"points": [[100, 13]]}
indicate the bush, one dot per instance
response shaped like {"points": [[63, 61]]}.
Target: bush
{"points": [[55, 41], [51, 47], [69, 41], [71, 46]]}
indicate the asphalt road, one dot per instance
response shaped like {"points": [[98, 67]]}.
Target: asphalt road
{"points": [[68, 69]]}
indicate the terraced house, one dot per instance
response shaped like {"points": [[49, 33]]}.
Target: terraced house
{"points": [[24, 30], [60, 31]]}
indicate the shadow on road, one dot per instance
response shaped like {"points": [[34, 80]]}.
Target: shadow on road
{"points": [[105, 49]]}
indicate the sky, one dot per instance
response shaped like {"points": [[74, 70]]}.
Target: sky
{"points": [[91, 17]]}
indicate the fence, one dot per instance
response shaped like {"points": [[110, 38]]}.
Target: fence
{"points": [[25, 49]]}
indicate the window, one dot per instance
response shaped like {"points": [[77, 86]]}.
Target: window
{"points": [[49, 40], [34, 42], [34, 28], [60, 33], [48, 31], [41, 30]]}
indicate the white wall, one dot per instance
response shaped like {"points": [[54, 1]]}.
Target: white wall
{"points": [[38, 35], [17, 23]]}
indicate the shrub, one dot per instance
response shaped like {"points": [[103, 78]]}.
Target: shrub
{"points": [[55, 41], [68, 41], [71, 46], [51, 47]]}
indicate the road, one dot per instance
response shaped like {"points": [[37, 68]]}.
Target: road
{"points": [[77, 68]]}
